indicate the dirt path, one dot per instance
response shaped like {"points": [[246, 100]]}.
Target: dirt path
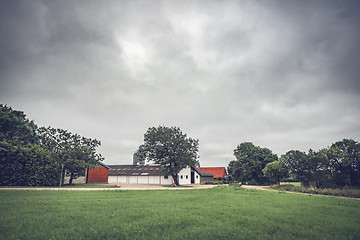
{"points": [[129, 186], [257, 187]]}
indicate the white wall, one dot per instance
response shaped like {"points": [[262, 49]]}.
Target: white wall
{"points": [[185, 176], [167, 181], [157, 179]]}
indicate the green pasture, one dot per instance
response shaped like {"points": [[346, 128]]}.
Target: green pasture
{"points": [[292, 183], [218, 213], [68, 186]]}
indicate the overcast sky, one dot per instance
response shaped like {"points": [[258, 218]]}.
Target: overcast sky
{"points": [[281, 74]]}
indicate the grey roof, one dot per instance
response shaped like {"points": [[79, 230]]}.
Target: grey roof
{"points": [[135, 170], [103, 164], [145, 170], [202, 173]]}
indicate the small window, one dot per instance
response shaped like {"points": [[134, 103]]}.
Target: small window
{"points": [[166, 177], [181, 176], [197, 176], [187, 176]]}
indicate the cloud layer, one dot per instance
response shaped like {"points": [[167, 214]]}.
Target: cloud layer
{"points": [[283, 75]]}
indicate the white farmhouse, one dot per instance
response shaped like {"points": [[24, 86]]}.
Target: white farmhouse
{"points": [[150, 174]]}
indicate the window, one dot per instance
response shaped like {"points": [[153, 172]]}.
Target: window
{"points": [[187, 176], [181, 176], [197, 176], [166, 177]]}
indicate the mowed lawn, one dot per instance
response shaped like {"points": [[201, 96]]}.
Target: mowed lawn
{"points": [[219, 213]]}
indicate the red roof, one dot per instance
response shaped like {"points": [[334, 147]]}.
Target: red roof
{"points": [[217, 171]]}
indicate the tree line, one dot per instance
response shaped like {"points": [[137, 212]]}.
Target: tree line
{"points": [[36, 156], [335, 166]]}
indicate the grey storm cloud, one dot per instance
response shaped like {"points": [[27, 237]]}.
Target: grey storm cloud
{"points": [[281, 74]]}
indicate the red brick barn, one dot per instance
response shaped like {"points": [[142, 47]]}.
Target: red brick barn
{"points": [[98, 174]]}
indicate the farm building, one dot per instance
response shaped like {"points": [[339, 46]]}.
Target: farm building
{"points": [[97, 174], [216, 171], [150, 174], [205, 176]]}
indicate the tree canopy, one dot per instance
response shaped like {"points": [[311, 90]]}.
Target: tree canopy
{"points": [[27, 165], [296, 163], [34, 156], [170, 148], [250, 161], [335, 166], [275, 171], [72, 151], [344, 162], [15, 127]]}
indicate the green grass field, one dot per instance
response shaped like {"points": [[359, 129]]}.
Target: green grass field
{"points": [[219, 213], [68, 186], [292, 183]]}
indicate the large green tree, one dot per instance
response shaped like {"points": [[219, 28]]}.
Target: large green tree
{"points": [[74, 152], [22, 160], [275, 171], [250, 161], [296, 163], [344, 162], [311, 166], [170, 148], [30, 155], [27, 165]]}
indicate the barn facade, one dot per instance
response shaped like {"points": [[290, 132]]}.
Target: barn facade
{"points": [[98, 174], [150, 174]]}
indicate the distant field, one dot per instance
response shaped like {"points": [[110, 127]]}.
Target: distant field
{"points": [[218, 213], [293, 183]]}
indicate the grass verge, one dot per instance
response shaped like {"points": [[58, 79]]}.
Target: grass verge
{"points": [[218, 213], [345, 192], [68, 186]]}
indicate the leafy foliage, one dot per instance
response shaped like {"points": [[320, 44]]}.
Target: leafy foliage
{"points": [[275, 171], [170, 148], [15, 127], [344, 162], [335, 166], [250, 161], [27, 165], [74, 152], [32, 156], [305, 167]]}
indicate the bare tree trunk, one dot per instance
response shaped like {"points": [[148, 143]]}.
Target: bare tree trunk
{"points": [[176, 179], [71, 178]]}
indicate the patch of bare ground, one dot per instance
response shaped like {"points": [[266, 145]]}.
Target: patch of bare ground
{"points": [[257, 187]]}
